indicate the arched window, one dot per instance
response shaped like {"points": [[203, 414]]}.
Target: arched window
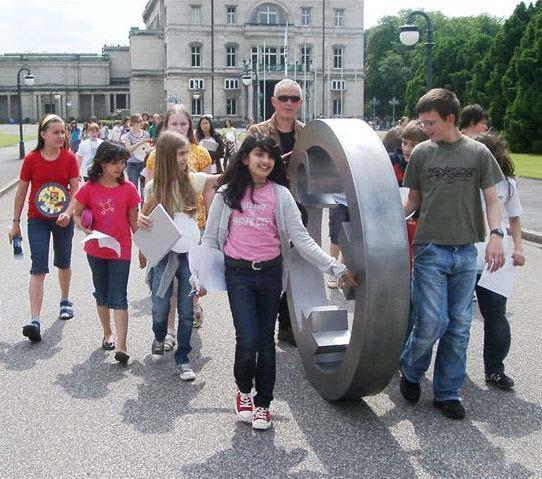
{"points": [[269, 14]]}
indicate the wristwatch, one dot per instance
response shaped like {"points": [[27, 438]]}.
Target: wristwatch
{"points": [[497, 231]]}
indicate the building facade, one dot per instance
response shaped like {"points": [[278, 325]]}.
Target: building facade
{"points": [[70, 85], [224, 58]]}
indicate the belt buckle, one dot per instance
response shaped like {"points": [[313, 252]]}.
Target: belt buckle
{"points": [[254, 267]]}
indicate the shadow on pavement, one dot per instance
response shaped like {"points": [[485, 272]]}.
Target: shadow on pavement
{"points": [[91, 378], [24, 355], [163, 396], [252, 454]]}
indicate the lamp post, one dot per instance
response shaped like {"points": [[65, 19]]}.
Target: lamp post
{"points": [[29, 81], [374, 102], [246, 79], [393, 103], [410, 34]]}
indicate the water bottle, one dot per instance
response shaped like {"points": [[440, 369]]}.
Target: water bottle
{"points": [[17, 246]]}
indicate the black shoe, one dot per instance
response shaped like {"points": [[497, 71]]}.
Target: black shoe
{"points": [[32, 331], [122, 357], [451, 408], [287, 335], [410, 391], [500, 380], [108, 346]]}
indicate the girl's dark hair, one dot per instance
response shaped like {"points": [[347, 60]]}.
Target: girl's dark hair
{"points": [[227, 123], [237, 177], [199, 131], [43, 125], [108, 152]]}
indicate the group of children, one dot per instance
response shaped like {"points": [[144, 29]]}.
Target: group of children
{"points": [[253, 219]]}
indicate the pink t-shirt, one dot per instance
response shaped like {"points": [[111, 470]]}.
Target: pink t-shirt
{"points": [[110, 210], [253, 234]]}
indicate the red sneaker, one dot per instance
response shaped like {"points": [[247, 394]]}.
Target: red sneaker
{"points": [[261, 418], [244, 405]]}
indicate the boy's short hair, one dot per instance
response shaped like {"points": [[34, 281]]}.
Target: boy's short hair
{"points": [[414, 131], [94, 127], [443, 101], [472, 115], [135, 118]]}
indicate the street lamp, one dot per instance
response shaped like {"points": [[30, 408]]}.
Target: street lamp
{"points": [[410, 34], [246, 79], [393, 103], [28, 81], [374, 102]]}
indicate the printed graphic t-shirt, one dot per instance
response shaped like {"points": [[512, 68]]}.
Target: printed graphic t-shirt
{"points": [[38, 171], [449, 177], [110, 211], [253, 233]]}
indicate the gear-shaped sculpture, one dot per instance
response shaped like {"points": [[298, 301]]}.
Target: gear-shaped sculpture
{"points": [[346, 361]]}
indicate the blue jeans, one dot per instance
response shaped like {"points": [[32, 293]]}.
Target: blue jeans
{"points": [[185, 306], [254, 301], [110, 279], [442, 288], [134, 170], [497, 335], [39, 237]]}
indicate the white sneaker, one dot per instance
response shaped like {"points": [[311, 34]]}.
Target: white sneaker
{"points": [[261, 418], [332, 282], [186, 372], [169, 342]]}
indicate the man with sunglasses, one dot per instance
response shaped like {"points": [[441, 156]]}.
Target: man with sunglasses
{"points": [[283, 127]]}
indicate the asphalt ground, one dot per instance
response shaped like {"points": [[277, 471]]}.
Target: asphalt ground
{"points": [[68, 411]]}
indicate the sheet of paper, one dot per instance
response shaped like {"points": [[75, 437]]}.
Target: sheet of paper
{"points": [[210, 145], [404, 195], [104, 241], [189, 230], [208, 265], [501, 281], [156, 242]]}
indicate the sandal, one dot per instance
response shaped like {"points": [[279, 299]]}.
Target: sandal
{"points": [[66, 310], [108, 346], [122, 357]]}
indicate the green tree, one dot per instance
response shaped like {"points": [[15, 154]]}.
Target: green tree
{"points": [[522, 122]]}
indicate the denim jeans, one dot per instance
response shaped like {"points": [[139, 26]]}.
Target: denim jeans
{"points": [[185, 306], [254, 301], [39, 237], [442, 288], [110, 279], [133, 171], [497, 335]]}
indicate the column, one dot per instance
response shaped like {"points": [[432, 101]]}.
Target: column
{"points": [[9, 106], [107, 96], [92, 104]]}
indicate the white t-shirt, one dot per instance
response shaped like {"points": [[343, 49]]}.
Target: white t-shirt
{"points": [[115, 133], [508, 196], [87, 150]]}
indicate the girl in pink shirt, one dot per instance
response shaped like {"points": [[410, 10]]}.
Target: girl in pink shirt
{"points": [[111, 208], [252, 220]]}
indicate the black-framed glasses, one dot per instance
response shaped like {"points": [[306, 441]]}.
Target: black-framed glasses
{"points": [[292, 98]]}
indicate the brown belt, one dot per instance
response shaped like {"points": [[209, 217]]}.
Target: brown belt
{"points": [[254, 265]]}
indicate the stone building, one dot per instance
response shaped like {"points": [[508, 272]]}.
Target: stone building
{"points": [[70, 85], [197, 52], [222, 58]]}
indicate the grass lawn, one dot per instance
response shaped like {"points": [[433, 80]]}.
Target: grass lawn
{"points": [[527, 165], [10, 140]]}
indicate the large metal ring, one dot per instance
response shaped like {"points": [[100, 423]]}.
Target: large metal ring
{"points": [[342, 361]]}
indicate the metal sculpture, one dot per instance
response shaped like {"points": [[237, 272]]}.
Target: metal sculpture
{"points": [[348, 357]]}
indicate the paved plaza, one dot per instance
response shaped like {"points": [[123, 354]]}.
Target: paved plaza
{"points": [[68, 410]]}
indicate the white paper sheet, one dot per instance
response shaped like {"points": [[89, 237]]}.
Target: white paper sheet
{"points": [[188, 227], [104, 241], [404, 195], [208, 265], [158, 241], [501, 281]]}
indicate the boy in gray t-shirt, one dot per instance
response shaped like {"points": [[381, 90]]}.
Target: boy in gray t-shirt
{"points": [[445, 175]]}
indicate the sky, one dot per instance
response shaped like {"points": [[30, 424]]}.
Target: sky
{"points": [[84, 26]]}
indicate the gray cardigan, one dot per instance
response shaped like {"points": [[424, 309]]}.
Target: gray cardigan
{"points": [[289, 225]]}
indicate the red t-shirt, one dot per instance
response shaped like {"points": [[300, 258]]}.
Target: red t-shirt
{"points": [[110, 211], [38, 171]]}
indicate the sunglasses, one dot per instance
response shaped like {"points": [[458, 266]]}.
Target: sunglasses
{"points": [[292, 98]]}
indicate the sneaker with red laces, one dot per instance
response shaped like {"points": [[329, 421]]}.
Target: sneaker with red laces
{"points": [[261, 418], [244, 406]]}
